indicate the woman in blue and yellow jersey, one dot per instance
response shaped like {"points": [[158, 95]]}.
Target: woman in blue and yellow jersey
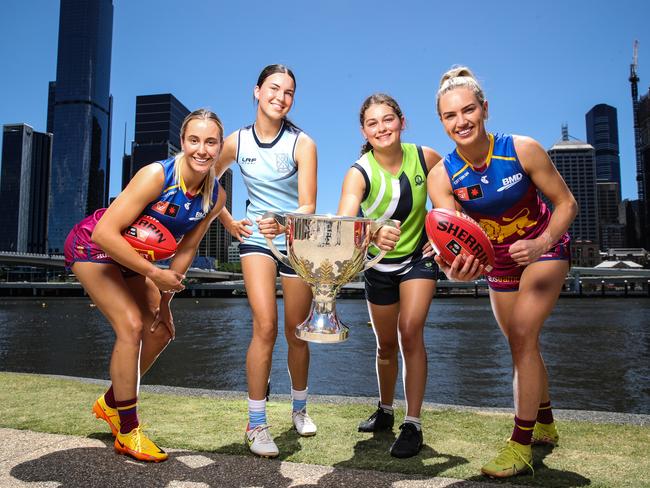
{"points": [[389, 181], [278, 164], [496, 179], [183, 193]]}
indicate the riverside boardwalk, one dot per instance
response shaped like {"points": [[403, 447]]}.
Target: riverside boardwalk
{"points": [[49, 438]]}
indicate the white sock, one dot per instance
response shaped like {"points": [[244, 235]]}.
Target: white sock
{"points": [[413, 420]]}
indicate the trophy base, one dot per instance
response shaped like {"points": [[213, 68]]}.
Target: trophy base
{"points": [[322, 328]]}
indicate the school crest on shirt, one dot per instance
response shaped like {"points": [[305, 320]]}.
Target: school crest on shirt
{"points": [[282, 163]]}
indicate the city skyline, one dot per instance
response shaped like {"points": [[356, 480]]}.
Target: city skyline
{"points": [[540, 66], [80, 113]]}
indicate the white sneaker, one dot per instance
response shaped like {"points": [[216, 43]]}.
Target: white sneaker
{"points": [[260, 441], [303, 423]]}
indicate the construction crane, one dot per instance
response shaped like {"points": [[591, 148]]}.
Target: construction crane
{"points": [[634, 79]]}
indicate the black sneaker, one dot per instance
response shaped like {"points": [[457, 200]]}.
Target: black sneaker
{"points": [[378, 421], [408, 443]]}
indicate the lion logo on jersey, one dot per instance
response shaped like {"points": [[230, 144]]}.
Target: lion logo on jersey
{"points": [[517, 224]]}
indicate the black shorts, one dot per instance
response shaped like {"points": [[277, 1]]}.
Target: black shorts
{"points": [[382, 288], [283, 269]]}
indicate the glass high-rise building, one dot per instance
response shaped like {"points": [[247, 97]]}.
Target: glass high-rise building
{"points": [[575, 160], [217, 239], [24, 188], [81, 120], [602, 134], [158, 120]]}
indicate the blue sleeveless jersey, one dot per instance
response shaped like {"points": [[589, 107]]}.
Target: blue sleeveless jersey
{"points": [[500, 196], [174, 208], [270, 174]]}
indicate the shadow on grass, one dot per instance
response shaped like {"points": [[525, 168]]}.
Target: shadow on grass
{"points": [[544, 476]]}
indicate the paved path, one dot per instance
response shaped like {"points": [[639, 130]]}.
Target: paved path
{"points": [[51, 460]]}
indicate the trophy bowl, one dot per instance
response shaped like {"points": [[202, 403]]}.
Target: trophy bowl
{"points": [[327, 252]]}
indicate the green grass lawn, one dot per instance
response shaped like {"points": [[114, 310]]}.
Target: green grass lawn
{"points": [[456, 443]]}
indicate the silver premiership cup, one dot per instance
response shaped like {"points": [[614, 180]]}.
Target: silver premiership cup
{"points": [[327, 252]]}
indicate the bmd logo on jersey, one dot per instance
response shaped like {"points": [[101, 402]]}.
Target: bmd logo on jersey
{"points": [[510, 181]]}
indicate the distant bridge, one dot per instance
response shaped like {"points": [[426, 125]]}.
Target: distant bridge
{"points": [[57, 260], [575, 274]]}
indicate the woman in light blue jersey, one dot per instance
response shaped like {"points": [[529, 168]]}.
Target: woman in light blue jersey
{"points": [[278, 164], [497, 180], [389, 181], [183, 193]]}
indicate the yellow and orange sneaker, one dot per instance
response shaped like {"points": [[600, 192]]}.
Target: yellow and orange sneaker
{"points": [[108, 414], [137, 445], [545, 434]]}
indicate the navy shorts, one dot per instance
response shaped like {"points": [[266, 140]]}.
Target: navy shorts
{"points": [[250, 249], [382, 288]]}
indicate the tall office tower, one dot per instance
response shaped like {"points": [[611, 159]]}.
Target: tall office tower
{"points": [[24, 189], [610, 220], [82, 116], [576, 162], [217, 240], [158, 120], [602, 133]]}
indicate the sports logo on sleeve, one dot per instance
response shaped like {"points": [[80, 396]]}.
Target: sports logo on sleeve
{"points": [[466, 193], [165, 208]]}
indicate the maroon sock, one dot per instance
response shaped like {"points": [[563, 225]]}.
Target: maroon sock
{"points": [[523, 431], [545, 413], [128, 412], [109, 398]]}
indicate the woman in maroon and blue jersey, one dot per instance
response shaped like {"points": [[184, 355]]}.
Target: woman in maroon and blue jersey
{"points": [[495, 179], [183, 193]]}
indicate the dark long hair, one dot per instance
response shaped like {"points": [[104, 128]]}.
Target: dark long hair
{"points": [[272, 69], [376, 99]]}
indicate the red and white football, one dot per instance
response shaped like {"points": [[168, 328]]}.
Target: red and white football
{"points": [[452, 233], [150, 238]]}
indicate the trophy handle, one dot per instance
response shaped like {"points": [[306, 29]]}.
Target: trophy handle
{"points": [[374, 228], [280, 219]]}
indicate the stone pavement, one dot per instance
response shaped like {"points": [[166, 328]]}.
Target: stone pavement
{"points": [[50, 460]]}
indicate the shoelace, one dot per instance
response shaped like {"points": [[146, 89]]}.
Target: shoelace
{"points": [[507, 448], [136, 435], [262, 433]]}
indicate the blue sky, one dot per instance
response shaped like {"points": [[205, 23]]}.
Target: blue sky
{"points": [[541, 64]]}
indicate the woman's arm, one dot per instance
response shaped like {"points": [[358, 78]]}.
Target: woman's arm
{"points": [[239, 229], [145, 186], [307, 161], [182, 261], [546, 178], [354, 186], [431, 157]]}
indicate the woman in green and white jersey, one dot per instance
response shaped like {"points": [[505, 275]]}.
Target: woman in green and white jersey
{"points": [[389, 181]]}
